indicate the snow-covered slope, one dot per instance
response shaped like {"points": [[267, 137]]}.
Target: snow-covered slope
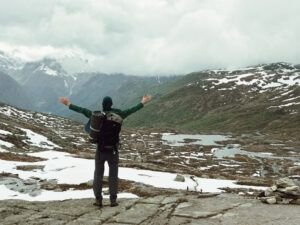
{"points": [[260, 78], [38, 128], [46, 66], [279, 82]]}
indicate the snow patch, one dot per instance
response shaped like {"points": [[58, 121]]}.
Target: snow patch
{"points": [[3, 150], [4, 132], [6, 144], [66, 169], [38, 140], [47, 70], [291, 99], [285, 105], [66, 84], [179, 139]]}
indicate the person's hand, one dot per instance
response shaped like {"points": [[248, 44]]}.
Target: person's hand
{"points": [[146, 99], [64, 101]]}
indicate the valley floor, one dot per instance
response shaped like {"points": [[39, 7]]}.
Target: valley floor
{"points": [[164, 175]]}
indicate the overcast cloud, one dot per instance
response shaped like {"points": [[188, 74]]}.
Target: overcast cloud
{"points": [[145, 37]]}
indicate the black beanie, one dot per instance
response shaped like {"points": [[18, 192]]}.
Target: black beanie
{"points": [[107, 103]]}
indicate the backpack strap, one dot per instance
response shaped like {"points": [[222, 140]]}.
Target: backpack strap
{"points": [[87, 126]]}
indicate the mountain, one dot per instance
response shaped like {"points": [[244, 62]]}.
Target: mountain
{"points": [[255, 98], [125, 90], [45, 81], [12, 93], [9, 65]]}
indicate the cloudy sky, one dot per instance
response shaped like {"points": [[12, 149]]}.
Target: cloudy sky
{"points": [[144, 37]]}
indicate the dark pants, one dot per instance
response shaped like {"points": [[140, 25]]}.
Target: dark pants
{"points": [[112, 158]]}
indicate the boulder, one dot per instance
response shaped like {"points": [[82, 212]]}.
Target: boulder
{"points": [[295, 170], [271, 200], [179, 178], [90, 183], [285, 191], [284, 182]]}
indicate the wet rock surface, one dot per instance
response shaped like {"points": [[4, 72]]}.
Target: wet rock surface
{"points": [[179, 208]]}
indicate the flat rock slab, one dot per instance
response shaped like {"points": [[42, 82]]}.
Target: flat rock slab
{"points": [[205, 207], [136, 214], [174, 209]]}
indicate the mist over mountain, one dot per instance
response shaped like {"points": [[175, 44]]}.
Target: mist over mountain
{"points": [[9, 65]]}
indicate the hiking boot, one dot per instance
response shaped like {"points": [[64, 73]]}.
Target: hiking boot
{"points": [[98, 202], [113, 203]]}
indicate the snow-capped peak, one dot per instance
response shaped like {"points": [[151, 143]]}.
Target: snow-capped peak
{"points": [[46, 66], [47, 70]]}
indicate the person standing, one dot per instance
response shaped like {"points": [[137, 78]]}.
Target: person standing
{"points": [[107, 148]]}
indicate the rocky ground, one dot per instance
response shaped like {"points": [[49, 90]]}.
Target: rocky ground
{"points": [[259, 156], [253, 159], [175, 209], [242, 156]]}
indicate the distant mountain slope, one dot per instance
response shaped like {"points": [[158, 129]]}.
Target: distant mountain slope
{"points": [[125, 90], [256, 98], [261, 97], [45, 81], [12, 93]]}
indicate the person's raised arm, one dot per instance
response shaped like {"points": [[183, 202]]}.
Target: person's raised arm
{"points": [[75, 108], [145, 100]]}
